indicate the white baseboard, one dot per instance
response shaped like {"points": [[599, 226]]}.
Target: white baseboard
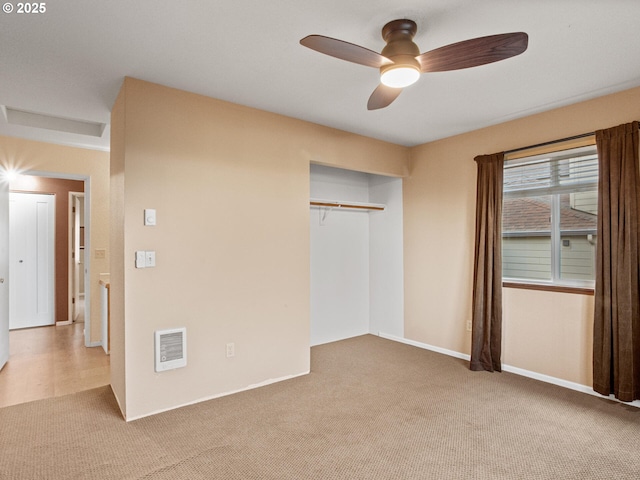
{"points": [[508, 368], [63, 322], [224, 394], [425, 346]]}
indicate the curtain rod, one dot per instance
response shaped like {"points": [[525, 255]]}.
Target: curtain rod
{"points": [[544, 144]]}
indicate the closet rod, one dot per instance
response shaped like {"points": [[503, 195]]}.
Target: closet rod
{"points": [[345, 205], [544, 144]]}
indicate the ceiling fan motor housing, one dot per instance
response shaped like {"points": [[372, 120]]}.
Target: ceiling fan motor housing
{"points": [[400, 48]]}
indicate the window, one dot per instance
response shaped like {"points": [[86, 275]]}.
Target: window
{"points": [[549, 218]]}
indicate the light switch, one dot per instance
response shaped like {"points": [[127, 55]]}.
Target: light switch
{"points": [[150, 217], [141, 259], [150, 259]]}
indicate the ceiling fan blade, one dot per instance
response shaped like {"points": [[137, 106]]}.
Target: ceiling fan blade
{"points": [[474, 52], [345, 51], [382, 97]]}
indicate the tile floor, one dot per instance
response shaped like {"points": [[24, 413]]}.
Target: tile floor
{"points": [[50, 361]]}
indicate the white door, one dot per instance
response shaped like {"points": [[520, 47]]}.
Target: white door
{"points": [[78, 252], [31, 257], [4, 273]]}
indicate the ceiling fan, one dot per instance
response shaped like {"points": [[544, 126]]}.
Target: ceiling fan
{"points": [[401, 62]]}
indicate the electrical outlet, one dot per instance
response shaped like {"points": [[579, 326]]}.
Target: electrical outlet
{"points": [[469, 325], [231, 350]]}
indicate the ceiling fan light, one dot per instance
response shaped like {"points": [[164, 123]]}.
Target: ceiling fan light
{"points": [[400, 76]]}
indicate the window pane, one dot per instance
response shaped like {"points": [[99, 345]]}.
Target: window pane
{"points": [[526, 238], [523, 175], [560, 172], [578, 235], [549, 217], [578, 171]]}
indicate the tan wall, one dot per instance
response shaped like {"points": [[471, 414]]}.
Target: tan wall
{"points": [[231, 188], [549, 333], [116, 243], [27, 155], [439, 222]]}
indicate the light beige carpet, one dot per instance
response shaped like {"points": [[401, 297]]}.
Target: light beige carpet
{"points": [[370, 409]]}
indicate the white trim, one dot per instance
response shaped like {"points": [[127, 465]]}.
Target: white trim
{"points": [[213, 397], [94, 344], [70, 259], [88, 300], [324, 342], [548, 379], [63, 322], [508, 368], [564, 383], [425, 346]]}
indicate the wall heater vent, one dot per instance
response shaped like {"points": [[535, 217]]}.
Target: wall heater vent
{"points": [[171, 349]]}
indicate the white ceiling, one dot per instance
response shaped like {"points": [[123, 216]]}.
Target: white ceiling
{"points": [[70, 61]]}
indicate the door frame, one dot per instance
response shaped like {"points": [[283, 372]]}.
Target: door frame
{"points": [[71, 261], [87, 245], [4, 271]]}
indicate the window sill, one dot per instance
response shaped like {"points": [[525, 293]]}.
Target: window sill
{"points": [[549, 288]]}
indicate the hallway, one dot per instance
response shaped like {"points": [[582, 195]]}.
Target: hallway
{"points": [[49, 362]]}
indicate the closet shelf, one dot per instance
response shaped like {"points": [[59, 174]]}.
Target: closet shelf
{"points": [[316, 202]]}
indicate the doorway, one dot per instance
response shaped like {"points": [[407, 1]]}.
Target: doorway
{"points": [[356, 255], [74, 336], [76, 256]]}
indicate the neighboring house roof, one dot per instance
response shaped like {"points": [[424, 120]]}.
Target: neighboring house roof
{"points": [[532, 214]]}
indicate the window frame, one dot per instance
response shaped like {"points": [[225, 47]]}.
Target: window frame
{"points": [[556, 284]]}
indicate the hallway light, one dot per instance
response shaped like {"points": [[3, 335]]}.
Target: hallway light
{"points": [[10, 175]]}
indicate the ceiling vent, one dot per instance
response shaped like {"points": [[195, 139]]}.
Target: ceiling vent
{"points": [[49, 122], [171, 349]]}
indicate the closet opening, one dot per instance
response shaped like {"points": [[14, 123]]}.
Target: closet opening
{"points": [[356, 254]]}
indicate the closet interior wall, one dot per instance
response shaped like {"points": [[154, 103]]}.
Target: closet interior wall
{"points": [[356, 256]]}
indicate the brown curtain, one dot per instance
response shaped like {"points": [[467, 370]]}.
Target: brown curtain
{"points": [[486, 337], [616, 336]]}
